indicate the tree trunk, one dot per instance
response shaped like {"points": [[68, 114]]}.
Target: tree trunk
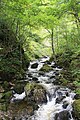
{"points": [[52, 43], [57, 38]]}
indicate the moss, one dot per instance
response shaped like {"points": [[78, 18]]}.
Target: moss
{"points": [[46, 68], [3, 106], [76, 107], [31, 86], [19, 87], [77, 91], [35, 93], [5, 97]]}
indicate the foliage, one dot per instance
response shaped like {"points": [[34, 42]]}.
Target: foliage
{"points": [[29, 26], [12, 54], [76, 107]]}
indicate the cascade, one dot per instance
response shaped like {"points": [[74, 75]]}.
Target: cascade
{"points": [[59, 100]]}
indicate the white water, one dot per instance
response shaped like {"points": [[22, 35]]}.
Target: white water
{"points": [[40, 64], [18, 96], [49, 110]]}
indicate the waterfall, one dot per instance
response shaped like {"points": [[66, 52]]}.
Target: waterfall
{"points": [[49, 110], [59, 99]]}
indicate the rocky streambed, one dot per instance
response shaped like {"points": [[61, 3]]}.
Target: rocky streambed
{"points": [[42, 95]]}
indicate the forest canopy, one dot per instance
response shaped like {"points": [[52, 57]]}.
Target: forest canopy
{"points": [[31, 29]]}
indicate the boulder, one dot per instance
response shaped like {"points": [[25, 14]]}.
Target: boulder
{"points": [[63, 115], [46, 68], [76, 109], [35, 79], [18, 111], [77, 96], [65, 104], [59, 99], [35, 65], [35, 93], [19, 87]]}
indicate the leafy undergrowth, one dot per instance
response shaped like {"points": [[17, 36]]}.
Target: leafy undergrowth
{"points": [[70, 61], [13, 61]]}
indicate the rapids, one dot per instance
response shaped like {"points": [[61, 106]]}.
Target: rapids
{"points": [[59, 100]]}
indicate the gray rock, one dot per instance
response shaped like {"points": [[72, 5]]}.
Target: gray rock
{"points": [[65, 104], [36, 93], [59, 99], [63, 115], [35, 65]]}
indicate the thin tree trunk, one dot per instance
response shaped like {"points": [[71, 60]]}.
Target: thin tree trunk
{"points": [[20, 47], [52, 39], [57, 38], [52, 43]]}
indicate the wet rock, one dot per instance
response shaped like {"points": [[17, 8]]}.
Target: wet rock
{"points": [[19, 88], [46, 68], [29, 75], [48, 62], [36, 93], [35, 79], [52, 77], [63, 115], [59, 93], [76, 109], [65, 104], [35, 65], [57, 73], [67, 94], [77, 96], [41, 73], [54, 65], [59, 99]]}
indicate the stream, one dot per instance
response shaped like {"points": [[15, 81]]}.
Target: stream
{"points": [[59, 100]]}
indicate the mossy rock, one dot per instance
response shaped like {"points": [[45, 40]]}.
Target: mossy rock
{"points": [[46, 68], [36, 93], [76, 108], [77, 91], [5, 97], [18, 110], [3, 106], [19, 87], [22, 107]]}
